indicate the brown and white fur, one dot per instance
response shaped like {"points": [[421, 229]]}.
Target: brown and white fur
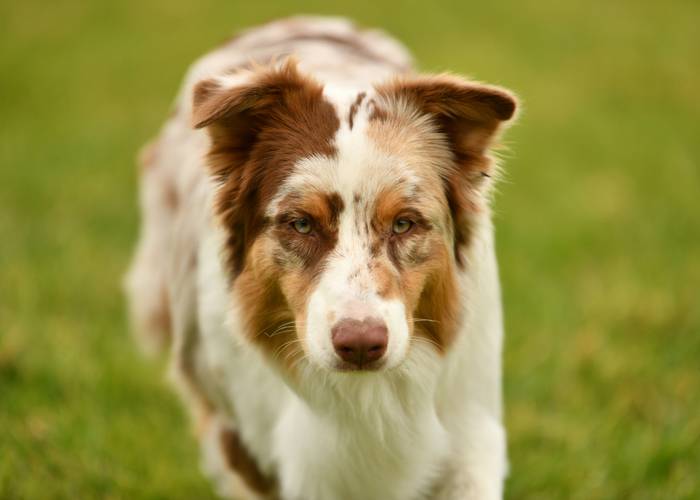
{"points": [[274, 255]]}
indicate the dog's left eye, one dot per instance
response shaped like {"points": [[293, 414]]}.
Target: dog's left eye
{"points": [[302, 226], [402, 226]]}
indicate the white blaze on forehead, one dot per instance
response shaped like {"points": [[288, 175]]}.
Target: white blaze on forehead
{"points": [[359, 168]]}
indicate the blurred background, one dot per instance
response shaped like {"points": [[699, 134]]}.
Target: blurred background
{"points": [[598, 231]]}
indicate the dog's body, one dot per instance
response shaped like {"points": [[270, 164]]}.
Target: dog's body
{"points": [[317, 244]]}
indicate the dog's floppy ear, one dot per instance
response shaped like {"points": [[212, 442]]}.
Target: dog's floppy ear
{"points": [[260, 122], [248, 91], [234, 107], [470, 115]]}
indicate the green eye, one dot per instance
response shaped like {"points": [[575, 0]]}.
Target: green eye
{"points": [[401, 226], [302, 226]]}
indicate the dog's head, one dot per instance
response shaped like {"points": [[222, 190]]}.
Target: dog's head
{"points": [[346, 213]]}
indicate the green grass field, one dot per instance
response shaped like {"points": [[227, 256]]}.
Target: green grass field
{"points": [[598, 226]]}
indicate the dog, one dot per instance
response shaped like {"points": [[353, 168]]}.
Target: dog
{"points": [[317, 250]]}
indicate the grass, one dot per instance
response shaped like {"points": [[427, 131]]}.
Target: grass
{"points": [[598, 236]]}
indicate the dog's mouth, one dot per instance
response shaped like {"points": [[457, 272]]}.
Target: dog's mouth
{"points": [[369, 366]]}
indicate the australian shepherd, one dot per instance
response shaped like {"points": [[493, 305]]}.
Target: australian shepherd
{"points": [[318, 251]]}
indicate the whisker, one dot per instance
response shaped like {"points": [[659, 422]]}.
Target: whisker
{"points": [[426, 340], [270, 326], [279, 350], [294, 364], [281, 330], [409, 362], [430, 341], [294, 352]]}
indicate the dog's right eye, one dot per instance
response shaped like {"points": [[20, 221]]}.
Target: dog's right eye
{"points": [[302, 226], [402, 226]]}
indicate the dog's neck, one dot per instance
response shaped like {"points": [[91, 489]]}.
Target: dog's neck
{"points": [[356, 424]]}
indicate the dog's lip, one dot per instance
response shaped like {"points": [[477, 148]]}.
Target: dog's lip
{"points": [[375, 366]]}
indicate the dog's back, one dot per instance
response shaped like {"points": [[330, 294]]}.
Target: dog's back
{"points": [[265, 320]]}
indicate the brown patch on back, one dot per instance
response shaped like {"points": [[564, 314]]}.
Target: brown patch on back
{"points": [[355, 106], [239, 460], [259, 130]]}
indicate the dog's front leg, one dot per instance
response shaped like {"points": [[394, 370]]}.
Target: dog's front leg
{"points": [[227, 463], [479, 466]]}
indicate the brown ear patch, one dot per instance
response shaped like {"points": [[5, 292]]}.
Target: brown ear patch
{"points": [[470, 116], [469, 113], [259, 130], [208, 104]]}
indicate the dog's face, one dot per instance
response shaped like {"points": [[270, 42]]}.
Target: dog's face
{"points": [[346, 213]]}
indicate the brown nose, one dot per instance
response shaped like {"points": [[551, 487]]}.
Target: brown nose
{"points": [[359, 342]]}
